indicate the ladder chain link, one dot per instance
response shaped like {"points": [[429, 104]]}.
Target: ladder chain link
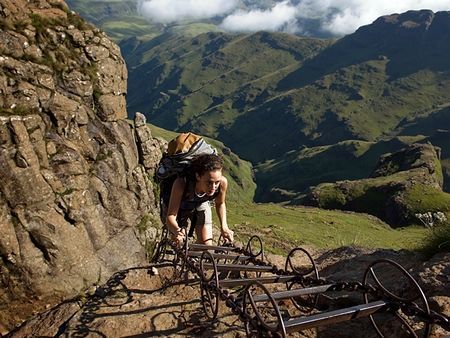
{"points": [[440, 319], [355, 286], [412, 309]]}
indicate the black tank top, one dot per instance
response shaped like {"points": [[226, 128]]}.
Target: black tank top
{"points": [[190, 199]]}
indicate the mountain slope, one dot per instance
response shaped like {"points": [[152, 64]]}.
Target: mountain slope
{"points": [[286, 177], [233, 87], [205, 82], [411, 41]]}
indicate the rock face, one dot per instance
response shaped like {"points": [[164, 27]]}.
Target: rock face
{"points": [[76, 205], [423, 159], [396, 189]]}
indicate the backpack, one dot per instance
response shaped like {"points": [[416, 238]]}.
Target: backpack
{"points": [[176, 161]]}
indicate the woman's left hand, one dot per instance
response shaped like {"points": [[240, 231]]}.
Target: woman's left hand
{"points": [[228, 234]]}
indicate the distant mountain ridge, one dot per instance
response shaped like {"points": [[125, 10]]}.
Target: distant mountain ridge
{"points": [[127, 18], [202, 83], [411, 41]]}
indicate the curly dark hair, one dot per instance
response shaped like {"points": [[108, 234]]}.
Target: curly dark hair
{"points": [[204, 163]]}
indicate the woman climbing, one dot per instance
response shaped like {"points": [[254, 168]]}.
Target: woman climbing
{"points": [[190, 200]]}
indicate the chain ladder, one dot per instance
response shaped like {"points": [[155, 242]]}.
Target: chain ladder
{"points": [[235, 303]]}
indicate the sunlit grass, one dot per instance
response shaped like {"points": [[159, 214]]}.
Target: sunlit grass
{"points": [[285, 227], [438, 240]]}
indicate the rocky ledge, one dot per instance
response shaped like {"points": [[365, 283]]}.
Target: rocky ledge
{"points": [[403, 185]]}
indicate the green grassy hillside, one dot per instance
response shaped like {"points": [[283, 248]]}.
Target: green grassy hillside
{"points": [[404, 184], [207, 82], [358, 102], [286, 177], [284, 227]]}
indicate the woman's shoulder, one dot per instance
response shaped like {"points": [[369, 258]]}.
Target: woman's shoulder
{"points": [[180, 182], [223, 182]]}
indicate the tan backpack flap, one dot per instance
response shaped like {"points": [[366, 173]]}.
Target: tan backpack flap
{"points": [[182, 143]]}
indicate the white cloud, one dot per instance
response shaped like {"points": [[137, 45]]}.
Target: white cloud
{"points": [[167, 11], [281, 15], [338, 17], [345, 16]]}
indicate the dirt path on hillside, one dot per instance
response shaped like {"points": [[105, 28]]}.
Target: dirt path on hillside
{"points": [[139, 303]]}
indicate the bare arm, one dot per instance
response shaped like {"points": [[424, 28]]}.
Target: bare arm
{"points": [[221, 210], [174, 205]]}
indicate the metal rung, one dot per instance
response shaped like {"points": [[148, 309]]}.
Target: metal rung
{"points": [[230, 283], [239, 267], [333, 317], [218, 255], [293, 293], [211, 247]]}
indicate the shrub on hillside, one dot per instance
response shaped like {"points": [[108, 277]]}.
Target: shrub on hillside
{"points": [[439, 240]]}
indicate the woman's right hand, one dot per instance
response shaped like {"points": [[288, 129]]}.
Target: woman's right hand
{"points": [[178, 237]]}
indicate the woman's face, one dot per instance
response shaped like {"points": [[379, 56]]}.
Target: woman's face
{"points": [[209, 182]]}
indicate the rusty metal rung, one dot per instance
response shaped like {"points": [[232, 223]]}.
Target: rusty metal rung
{"points": [[293, 293], [230, 283], [219, 255], [239, 267], [205, 247], [333, 317]]}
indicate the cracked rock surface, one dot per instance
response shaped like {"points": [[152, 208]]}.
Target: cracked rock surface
{"points": [[76, 202]]}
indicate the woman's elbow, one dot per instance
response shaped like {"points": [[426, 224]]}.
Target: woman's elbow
{"points": [[220, 204]]}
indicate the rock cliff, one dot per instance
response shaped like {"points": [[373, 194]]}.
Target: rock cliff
{"points": [[76, 205]]}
